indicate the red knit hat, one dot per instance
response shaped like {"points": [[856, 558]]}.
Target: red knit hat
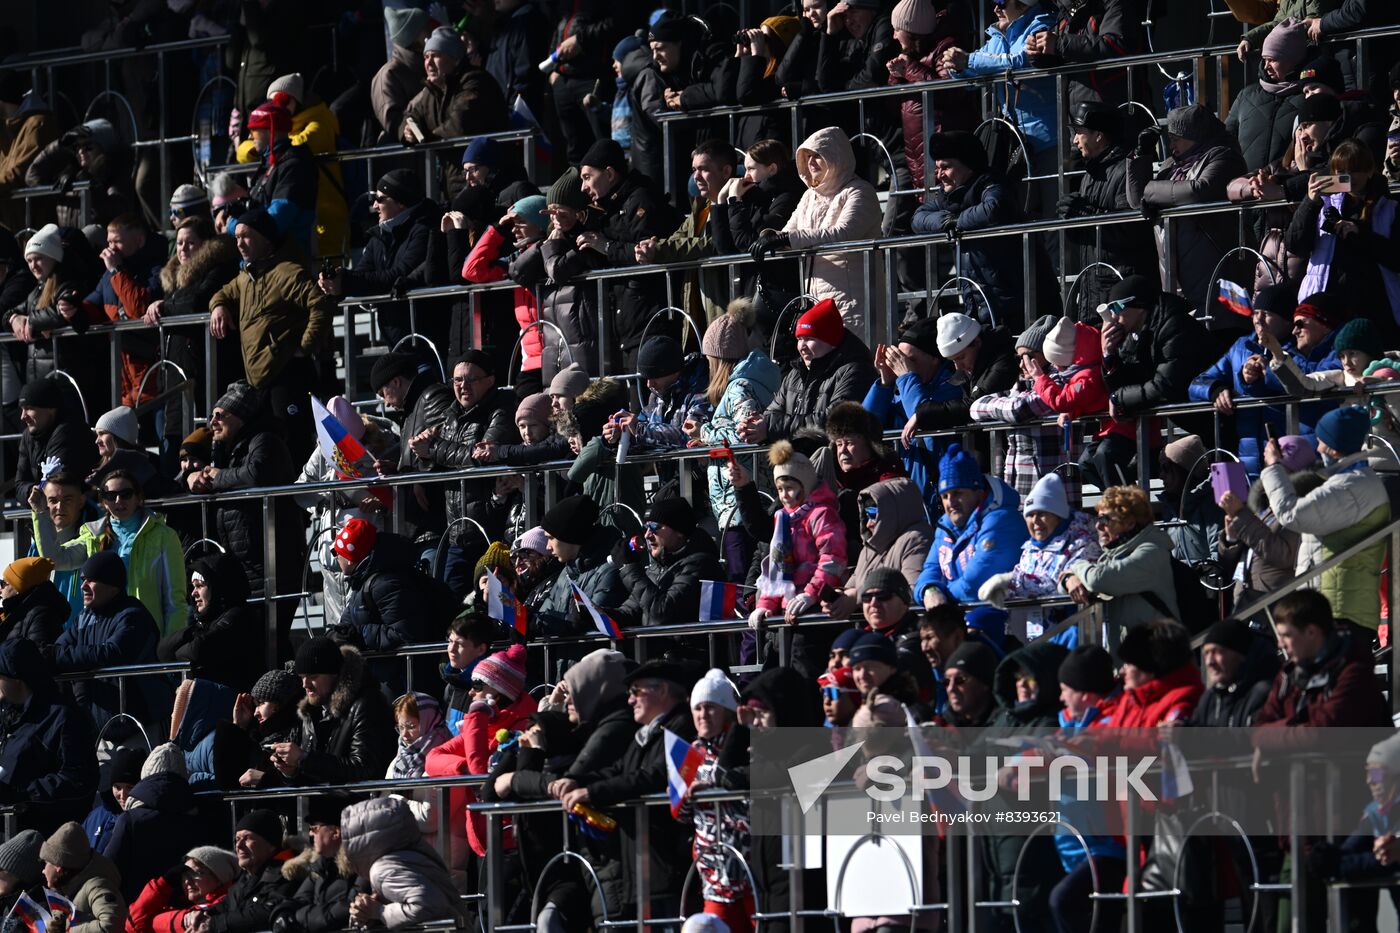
{"points": [[270, 116], [504, 671], [355, 540], [841, 677], [822, 322]]}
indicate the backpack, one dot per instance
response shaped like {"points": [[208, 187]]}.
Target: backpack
{"points": [[1196, 610]]}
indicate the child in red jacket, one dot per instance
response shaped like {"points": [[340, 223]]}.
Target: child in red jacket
{"points": [[500, 703], [203, 879]]}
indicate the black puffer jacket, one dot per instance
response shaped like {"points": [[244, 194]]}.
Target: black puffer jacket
{"points": [[37, 615], [258, 457], [155, 833], [1126, 247], [736, 223], [391, 604], [321, 901], [248, 906], [223, 643], [1095, 31], [635, 210], [666, 590], [993, 371], [351, 736], [393, 254], [1170, 351], [1233, 705], [1263, 122], [492, 418], [806, 395], [706, 79]]}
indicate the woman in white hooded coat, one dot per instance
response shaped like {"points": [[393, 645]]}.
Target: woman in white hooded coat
{"points": [[837, 207], [380, 842]]}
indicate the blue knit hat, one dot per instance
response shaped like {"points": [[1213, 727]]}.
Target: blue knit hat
{"points": [[482, 152], [959, 470], [1344, 429], [626, 47]]}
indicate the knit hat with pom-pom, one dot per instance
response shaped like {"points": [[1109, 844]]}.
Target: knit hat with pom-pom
{"points": [[727, 337], [788, 462], [503, 671]]}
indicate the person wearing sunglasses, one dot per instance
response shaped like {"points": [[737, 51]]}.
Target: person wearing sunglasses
{"points": [[149, 548], [887, 606], [1134, 565], [1373, 848], [666, 586], [840, 698]]}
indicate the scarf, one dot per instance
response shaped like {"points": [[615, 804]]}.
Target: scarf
{"points": [[432, 732], [125, 530], [1184, 165], [780, 571]]}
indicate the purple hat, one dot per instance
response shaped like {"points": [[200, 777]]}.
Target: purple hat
{"points": [[1298, 453]]}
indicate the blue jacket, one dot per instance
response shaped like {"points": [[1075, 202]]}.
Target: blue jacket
{"points": [[1249, 423], [962, 559], [1034, 109], [121, 632], [894, 405], [1078, 810]]}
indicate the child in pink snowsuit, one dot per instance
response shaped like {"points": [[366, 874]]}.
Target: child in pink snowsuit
{"points": [[808, 551]]}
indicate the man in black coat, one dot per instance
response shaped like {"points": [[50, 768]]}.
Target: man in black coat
{"points": [[1096, 130], [1240, 669], [658, 693], [54, 435], [347, 728], [1152, 349], [412, 392], [853, 51], [47, 752], [1091, 31], [393, 255], [391, 601], [986, 358], [634, 211], [112, 629], [248, 452], [260, 888], [321, 901], [666, 588]]}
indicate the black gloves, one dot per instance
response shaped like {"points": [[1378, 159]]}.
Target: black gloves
{"points": [[769, 241], [949, 224], [1324, 858], [1147, 143], [623, 555], [1073, 205]]}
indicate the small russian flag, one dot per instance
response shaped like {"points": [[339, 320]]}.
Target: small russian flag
{"points": [[601, 620], [682, 761], [58, 904], [347, 455], [31, 913], [719, 600], [1235, 298], [505, 606]]}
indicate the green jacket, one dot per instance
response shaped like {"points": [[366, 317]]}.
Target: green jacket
{"points": [[605, 482], [1298, 9], [280, 313], [155, 574]]}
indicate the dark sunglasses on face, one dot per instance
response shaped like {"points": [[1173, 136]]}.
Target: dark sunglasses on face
{"points": [[652, 527], [116, 495], [834, 693], [378, 198], [1375, 775], [881, 595], [871, 513]]}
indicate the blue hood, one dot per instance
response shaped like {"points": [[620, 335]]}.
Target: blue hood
{"points": [[758, 369]]}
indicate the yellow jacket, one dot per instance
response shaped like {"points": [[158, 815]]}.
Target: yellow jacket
{"points": [[316, 126]]}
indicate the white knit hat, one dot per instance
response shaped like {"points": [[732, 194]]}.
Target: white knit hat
{"points": [[188, 196], [45, 242], [1047, 495], [119, 422], [168, 757], [956, 332], [715, 688], [1059, 343], [293, 84]]}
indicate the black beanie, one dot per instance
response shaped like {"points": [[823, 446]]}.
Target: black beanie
{"points": [[1158, 647], [1231, 634], [124, 767], [106, 567], [922, 335], [474, 357], [391, 365], [605, 153], [660, 356], [318, 656], [975, 659], [960, 145], [1137, 287], [260, 220], [44, 392], [672, 28], [325, 809], [571, 520], [1320, 108], [403, 185], [1089, 668], [675, 513], [263, 823]]}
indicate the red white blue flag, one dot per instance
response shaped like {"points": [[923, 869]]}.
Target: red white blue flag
{"points": [[720, 601], [601, 620], [682, 761], [1235, 298], [504, 606], [31, 914], [347, 455]]}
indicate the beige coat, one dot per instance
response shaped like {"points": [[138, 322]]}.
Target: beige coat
{"points": [[901, 538], [96, 892], [843, 207], [396, 83]]}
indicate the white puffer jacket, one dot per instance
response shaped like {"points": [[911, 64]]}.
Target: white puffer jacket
{"points": [[380, 841], [841, 208]]}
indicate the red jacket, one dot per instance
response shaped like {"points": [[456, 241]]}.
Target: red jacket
{"points": [[1084, 394], [151, 912], [469, 752], [1163, 699], [1342, 691], [484, 264]]}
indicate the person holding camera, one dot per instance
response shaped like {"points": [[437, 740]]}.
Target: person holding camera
{"points": [[1345, 227], [662, 572]]}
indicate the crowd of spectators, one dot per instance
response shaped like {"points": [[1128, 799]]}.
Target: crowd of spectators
{"points": [[907, 500]]}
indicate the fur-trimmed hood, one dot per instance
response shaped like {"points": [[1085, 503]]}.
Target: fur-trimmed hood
{"points": [[300, 867], [220, 251], [354, 680]]}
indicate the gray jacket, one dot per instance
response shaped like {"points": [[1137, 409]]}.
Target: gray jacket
{"points": [[1141, 564], [380, 841]]}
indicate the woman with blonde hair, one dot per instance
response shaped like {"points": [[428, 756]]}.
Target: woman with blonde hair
{"points": [[1134, 570]]}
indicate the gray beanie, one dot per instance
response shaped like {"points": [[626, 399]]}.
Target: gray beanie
{"points": [[1195, 123], [120, 422], [446, 41], [20, 857], [569, 381], [405, 25], [279, 686], [222, 863], [165, 759], [1033, 337], [187, 196]]}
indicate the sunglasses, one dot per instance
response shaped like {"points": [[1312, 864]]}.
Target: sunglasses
{"points": [[871, 513], [881, 595], [116, 495], [466, 380], [1375, 775], [378, 198], [652, 527], [1300, 323], [834, 693], [1102, 519]]}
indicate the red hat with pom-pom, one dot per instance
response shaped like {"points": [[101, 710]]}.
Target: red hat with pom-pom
{"points": [[503, 671], [355, 540], [822, 322]]}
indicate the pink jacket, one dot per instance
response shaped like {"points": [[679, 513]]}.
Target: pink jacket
{"points": [[1083, 394], [818, 543], [484, 264]]}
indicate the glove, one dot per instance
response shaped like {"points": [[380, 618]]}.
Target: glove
{"points": [[769, 241], [1073, 205], [1147, 143], [622, 554], [994, 590], [800, 604], [949, 224], [756, 619]]}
